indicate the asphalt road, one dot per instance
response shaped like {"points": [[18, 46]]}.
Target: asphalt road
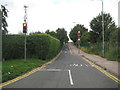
{"points": [[68, 71]]}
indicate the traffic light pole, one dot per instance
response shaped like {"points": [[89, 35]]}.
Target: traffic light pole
{"points": [[78, 33], [79, 48], [25, 20], [25, 46]]}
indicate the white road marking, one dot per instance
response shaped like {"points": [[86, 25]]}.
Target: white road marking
{"points": [[76, 64], [81, 65], [92, 65], [73, 64], [51, 70], [65, 51], [86, 65], [70, 76]]}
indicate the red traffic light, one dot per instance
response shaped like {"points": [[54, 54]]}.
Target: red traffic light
{"points": [[78, 39], [78, 32]]}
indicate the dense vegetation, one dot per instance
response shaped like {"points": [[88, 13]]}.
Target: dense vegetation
{"points": [[40, 46], [91, 41], [60, 34]]}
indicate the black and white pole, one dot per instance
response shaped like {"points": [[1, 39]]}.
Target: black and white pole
{"points": [[25, 28], [78, 33]]}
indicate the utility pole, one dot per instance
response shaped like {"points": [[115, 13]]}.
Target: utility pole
{"points": [[0, 35], [25, 27], [103, 45], [119, 14], [103, 30]]}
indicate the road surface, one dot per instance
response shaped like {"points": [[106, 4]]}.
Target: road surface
{"points": [[68, 71]]}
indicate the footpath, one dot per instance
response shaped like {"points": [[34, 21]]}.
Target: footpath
{"points": [[110, 66]]}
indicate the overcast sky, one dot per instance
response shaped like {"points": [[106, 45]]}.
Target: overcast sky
{"points": [[53, 14]]}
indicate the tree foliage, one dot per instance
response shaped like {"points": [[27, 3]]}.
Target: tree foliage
{"points": [[52, 33], [4, 22], [73, 32], [96, 26], [60, 34], [38, 32]]}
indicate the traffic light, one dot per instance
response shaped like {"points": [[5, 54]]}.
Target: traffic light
{"points": [[78, 40], [24, 27], [78, 32]]}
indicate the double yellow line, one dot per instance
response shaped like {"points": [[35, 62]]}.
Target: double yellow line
{"points": [[29, 73], [103, 71]]}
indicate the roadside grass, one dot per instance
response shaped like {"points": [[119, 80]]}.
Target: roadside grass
{"points": [[111, 51], [14, 68]]}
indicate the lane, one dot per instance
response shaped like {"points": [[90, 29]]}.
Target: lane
{"points": [[68, 71]]}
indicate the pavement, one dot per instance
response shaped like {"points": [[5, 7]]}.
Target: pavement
{"points": [[67, 71], [110, 66]]}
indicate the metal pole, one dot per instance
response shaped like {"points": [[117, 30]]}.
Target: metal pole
{"points": [[0, 35], [25, 20], [79, 48], [103, 28], [25, 46]]}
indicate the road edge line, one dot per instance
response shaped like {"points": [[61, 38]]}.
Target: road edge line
{"points": [[102, 70], [30, 72]]}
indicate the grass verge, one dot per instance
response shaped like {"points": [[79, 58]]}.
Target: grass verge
{"points": [[14, 68], [110, 51]]}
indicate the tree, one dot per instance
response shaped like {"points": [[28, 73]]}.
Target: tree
{"points": [[4, 22], [73, 32], [96, 26], [52, 33], [85, 38], [62, 35], [38, 32]]}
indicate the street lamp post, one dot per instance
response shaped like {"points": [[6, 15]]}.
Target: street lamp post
{"points": [[103, 45], [103, 29]]}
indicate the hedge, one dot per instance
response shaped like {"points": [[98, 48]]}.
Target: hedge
{"points": [[42, 46]]}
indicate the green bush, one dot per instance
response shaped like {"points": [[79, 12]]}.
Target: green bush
{"points": [[41, 46], [13, 46]]}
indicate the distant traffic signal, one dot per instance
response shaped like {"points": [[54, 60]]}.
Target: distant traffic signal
{"points": [[78, 40], [78, 32], [24, 27]]}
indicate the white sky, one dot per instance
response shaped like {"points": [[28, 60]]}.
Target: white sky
{"points": [[53, 14]]}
